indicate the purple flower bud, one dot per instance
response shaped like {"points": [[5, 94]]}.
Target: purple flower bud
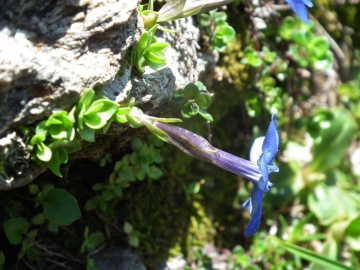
{"points": [[256, 171]]}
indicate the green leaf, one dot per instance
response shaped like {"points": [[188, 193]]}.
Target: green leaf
{"points": [[136, 144], [87, 133], [286, 28], [203, 100], [204, 19], [59, 156], [156, 58], [324, 202], [268, 55], [99, 112], [140, 175], [43, 152], [107, 195], [207, 116], [311, 256], [190, 109], [94, 240], [224, 32], [294, 52], [220, 17], [302, 37], [60, 207], [126, 174], [32, 254], [133, 122], [38, 219], [190, 91], [193, 188], [36, 139], [251, 58], [134, 239], [336, 132], [252, 104], [41, 129], [319, 47], [33, 189], [90, 205], [14, 228], [155, 172], [128, 228], [123, 111], [353, 229], [158, 47], [52, 227], [86, 98]]}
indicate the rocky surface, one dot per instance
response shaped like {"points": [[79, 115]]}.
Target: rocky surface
{"points": [[52, 51]]}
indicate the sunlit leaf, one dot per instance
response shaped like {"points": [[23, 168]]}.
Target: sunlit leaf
{"points": [[311, 256]]}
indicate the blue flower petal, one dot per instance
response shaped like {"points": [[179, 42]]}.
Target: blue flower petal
{"points": [[255, 203], [271, 141], [298, 6], [269, 149]]}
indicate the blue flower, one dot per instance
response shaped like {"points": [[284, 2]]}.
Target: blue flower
{"points": [[298, 6], [256, 170], [262, 152]]}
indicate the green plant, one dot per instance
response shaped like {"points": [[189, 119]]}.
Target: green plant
{"points": [[133, 235], [218, 30], [91, 241], [307, 49], [63, 132], [149, 52], [138, 165], [194, 99], [59, 208]]}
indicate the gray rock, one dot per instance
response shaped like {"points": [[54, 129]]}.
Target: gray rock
{"points": [[51, 51], [117, 258]]}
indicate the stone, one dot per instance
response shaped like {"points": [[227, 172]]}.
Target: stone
{"points": [[51, 51]]}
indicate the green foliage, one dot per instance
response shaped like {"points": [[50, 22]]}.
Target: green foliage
{"points": [[194, 99], [219, 32], [149, 52], [138, 165], [133, 235], [60, 207], [332, 132], [63, 132], [91, 240], [148, 16], [311, 256], [14, 228], [307, 49], [314, 204]]}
